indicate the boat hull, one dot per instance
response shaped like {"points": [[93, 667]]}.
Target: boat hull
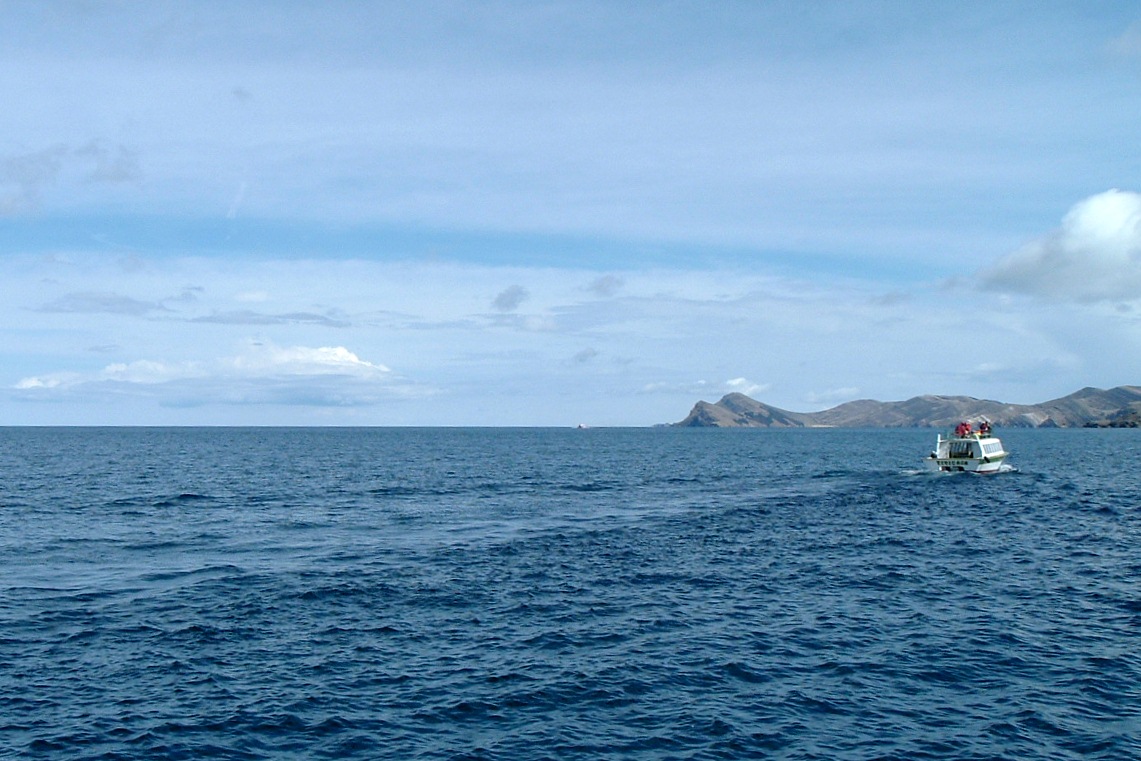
{"points": [[964, 465]]}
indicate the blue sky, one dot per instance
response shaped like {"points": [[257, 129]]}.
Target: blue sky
{"points": [[440, 213]]}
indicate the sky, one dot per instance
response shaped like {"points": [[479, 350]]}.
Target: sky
{"points": [[561, 213]]}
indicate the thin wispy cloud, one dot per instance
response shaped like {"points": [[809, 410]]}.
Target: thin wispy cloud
{"points": [[24, 176], [106, 303], [250, 317], [1128, 43], [111, 164]]}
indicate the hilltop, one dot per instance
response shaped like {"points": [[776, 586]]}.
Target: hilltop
{"points": [[1089, 407]]}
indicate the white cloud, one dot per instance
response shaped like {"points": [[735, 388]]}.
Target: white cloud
{"points": [[745, 386], [148, 371], [140, 373], [1094, 256], [32, 383], [265, 359]]}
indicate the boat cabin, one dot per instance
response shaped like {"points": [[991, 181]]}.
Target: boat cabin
{"points": [[975, 450]]}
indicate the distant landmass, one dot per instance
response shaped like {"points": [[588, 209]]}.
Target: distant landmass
{"points": [[1118, 407]]}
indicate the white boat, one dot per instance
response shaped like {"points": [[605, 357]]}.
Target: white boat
{"points": [[969, 450]]}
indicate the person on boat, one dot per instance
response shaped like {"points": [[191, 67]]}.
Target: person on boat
{"points": [[984, 428], [963, 429]]}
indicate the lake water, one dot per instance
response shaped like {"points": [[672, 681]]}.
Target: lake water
{"points": [[565, 594]]}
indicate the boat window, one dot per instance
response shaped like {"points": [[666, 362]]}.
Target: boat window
{"points": [[961, 449]]}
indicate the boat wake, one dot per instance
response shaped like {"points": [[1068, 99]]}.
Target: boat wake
{"points": [[931, 472]]}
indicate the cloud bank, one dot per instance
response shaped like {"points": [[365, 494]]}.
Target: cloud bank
{"points": [[261, 374]]}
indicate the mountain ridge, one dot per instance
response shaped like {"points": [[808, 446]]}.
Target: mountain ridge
{"points": [[1088, 407]]}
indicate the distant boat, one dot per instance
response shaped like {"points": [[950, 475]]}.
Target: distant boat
{"points": [[968, 450]]}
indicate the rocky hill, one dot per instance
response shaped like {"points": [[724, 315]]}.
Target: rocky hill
{"points": [[1116, 407]]}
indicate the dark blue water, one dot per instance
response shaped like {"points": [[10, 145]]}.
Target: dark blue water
{"points": [[562, 594]]}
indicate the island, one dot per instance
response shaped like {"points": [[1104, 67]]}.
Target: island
{"points": [[1118, 407]]}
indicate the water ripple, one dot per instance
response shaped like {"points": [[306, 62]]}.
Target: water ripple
{"points": [[543, 594]]}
